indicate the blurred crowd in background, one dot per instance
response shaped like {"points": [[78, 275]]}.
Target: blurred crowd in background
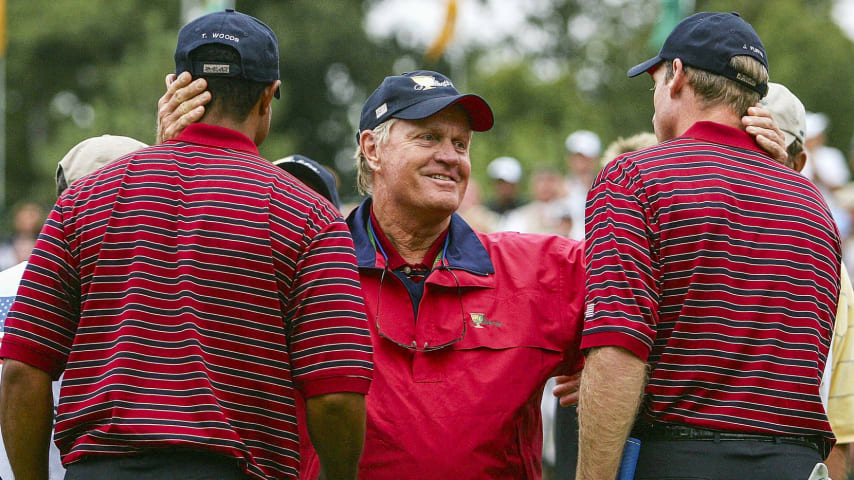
{"points": [[546, 199]]}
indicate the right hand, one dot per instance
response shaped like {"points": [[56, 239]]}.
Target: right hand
{"points": [[567, 389], [182, 104]]}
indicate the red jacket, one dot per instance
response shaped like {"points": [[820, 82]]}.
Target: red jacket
{"points": [[513, 305]]}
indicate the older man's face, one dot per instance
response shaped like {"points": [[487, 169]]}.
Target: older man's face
{"points": [[425, 164]]}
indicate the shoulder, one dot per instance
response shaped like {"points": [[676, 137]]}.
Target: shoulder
{"points": [[528, 248]]}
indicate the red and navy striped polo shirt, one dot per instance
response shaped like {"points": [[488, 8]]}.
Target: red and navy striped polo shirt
{"points": [[721, 268], [186, 290]]}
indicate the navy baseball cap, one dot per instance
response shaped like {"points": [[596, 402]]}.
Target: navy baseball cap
{"points": [[254, 41], [417, 95], [312, 174], [708, 41]]}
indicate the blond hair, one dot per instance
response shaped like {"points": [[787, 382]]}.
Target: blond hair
{"points": [[621, 145], [714, 89], [364, 174]]}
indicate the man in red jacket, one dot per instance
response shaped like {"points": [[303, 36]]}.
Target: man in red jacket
{"points": [[466, 327]]}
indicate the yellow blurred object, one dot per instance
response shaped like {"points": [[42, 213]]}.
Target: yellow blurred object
{"points": [[434, 53]]}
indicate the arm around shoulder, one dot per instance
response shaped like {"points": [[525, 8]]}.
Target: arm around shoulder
{"points": [[336, 424]]}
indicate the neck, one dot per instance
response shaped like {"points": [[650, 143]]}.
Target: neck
{"points": [[412, 235], [718, 114], [248, 127]]}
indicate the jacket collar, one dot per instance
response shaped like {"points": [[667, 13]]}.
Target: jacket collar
{"points": [[464, 252]]}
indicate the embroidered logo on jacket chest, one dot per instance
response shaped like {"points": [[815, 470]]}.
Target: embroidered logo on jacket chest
{"points": [[479, 320]]}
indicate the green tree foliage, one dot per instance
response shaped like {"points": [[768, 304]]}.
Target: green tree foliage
{"points": [[79, 68]]}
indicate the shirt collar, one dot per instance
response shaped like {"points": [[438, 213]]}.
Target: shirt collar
{"points": [[216, 136], [464, 251], [722, 134]]}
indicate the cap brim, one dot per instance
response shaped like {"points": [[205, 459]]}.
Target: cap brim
{"points": [[644, 67], [479, 113]]}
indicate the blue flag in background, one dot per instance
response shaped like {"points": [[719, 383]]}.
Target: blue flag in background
{"points": [[9, 281]]}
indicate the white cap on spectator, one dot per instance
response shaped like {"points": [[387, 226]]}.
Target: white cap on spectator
{"points": [[584, 142], [788, 112], [92, 154], [505, 168], [816, 124]]}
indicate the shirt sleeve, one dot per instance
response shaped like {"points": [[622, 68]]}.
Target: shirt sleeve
{"points": [[622, 274], [42, 322], [330, 344], [574, 278], [840, 407]]}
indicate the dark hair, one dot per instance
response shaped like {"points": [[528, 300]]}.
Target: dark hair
{"points": [[230, 96], [794, 149]]}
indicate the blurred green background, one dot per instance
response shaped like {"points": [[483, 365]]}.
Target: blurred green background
{"points": [[79, 68]]}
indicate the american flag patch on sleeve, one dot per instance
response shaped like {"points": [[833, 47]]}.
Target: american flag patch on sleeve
{"points": [[588, 312]]}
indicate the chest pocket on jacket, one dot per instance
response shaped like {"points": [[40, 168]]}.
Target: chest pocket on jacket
{"points": [[511, 339]]}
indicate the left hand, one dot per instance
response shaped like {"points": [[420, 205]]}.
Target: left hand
{"points": [[761, 125], [567, 389], [182, 104]]}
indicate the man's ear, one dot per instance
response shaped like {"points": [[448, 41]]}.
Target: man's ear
{"points": [[679, 79], [369, 144], [799, 161], [267, 96]]}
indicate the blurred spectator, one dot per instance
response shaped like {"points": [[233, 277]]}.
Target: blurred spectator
{"points": [[826, 167], [475, 213], [505, 172], [543, 213], [622, 145], [27, 220], [582, 162]]}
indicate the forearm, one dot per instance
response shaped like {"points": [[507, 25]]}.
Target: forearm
{"points": [[26, 419], [611, 390], [837, 461], [336, 424]]}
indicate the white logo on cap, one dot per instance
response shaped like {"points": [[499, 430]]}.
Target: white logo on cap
{"points": [[753, 49], [380, 111], [216, 69], [225, 36], [426, 82]]}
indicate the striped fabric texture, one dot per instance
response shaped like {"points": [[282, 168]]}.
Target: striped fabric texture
{"points": [[719, 267], [186, 290]]}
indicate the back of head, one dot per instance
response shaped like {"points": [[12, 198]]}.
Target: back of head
{"points": [[90, 155], [316, 176], [238, 55], [621, 145], [725, 60], [788, 112]]}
